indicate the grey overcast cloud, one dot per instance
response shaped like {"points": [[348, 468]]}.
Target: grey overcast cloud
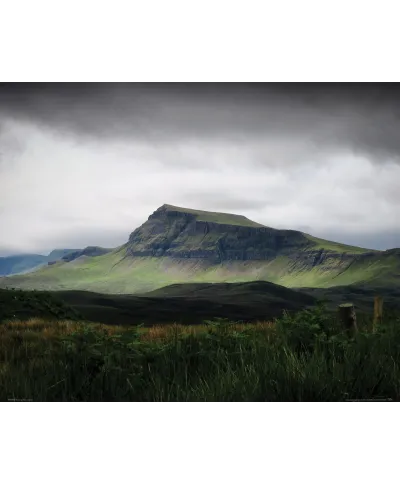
{"points": [[85, 164]]}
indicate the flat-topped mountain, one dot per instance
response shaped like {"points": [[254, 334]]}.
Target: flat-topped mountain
{"points": [[181, 233], [180, 245], [185, 233]]}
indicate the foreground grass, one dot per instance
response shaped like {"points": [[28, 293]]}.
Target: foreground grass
{"points": [[296, 358]]}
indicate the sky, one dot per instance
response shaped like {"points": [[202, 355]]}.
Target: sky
{"points": [[86, 164]]}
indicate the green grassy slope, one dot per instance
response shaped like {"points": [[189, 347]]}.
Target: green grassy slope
{"points": [[115, 273]]}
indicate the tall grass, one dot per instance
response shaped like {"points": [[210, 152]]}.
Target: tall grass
{"points": [[304, 357]]}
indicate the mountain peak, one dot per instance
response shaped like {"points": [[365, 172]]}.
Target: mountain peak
{"points": [[205, 216], [180, 232]]}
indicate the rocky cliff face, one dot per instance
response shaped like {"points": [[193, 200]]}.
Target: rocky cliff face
{"points": [[179, 234], [182, 235], [310, 258]]}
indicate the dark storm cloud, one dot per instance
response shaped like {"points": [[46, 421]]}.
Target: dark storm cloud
{"points": [[85, 164], [364, 118]]}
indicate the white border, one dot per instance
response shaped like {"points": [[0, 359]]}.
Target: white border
{"points": [[198, 41]]}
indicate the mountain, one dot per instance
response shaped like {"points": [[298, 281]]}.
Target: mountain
{"points": [[18, 264], [23, 263], [180, 245], [185, 233]]}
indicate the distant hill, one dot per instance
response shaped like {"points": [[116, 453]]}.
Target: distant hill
{"points": [[23, 263], [180, 245], [26, 263], [88, 251], [18, 264], [251, 293], [57, 254]]}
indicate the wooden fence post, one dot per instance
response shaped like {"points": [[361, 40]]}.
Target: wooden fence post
{"points": [[378, 312], [348, 318]]}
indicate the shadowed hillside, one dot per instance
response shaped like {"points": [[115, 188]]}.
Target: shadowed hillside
{"points": [[244, 301]]}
